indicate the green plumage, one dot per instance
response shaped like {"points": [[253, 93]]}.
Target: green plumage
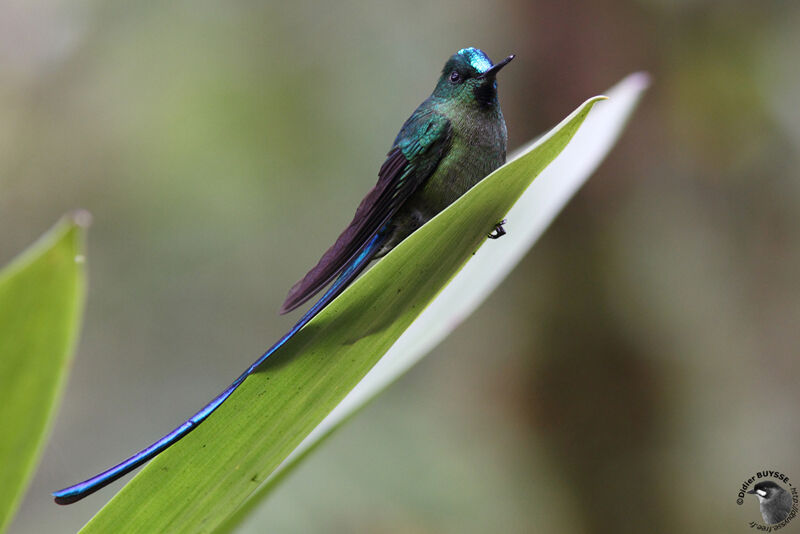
{"points": [[454, 139]]}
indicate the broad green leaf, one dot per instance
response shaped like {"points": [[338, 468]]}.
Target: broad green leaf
{"points": [[41, 304], [490, 265], [196, 485]]}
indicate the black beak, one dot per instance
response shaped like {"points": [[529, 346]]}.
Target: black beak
{"points": [[752, 492], [496, 68]]}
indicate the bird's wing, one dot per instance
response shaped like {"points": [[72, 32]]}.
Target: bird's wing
{"points": [[417, 150]]}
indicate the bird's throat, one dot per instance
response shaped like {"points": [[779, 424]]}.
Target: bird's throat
{"points": [[486, 94]]}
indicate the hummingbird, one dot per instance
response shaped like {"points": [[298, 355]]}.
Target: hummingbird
{"points": [[453, 140]]}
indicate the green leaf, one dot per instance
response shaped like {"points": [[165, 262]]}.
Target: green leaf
{"points": [[490, 265], [197, 484], [41, 304]]}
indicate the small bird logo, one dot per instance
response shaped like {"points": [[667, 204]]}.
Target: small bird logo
{"points": [[774, 500]]}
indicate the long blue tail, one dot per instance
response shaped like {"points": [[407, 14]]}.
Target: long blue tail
{"points": [[79, 491]]}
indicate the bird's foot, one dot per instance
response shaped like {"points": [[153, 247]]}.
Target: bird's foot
{"points": [[498, 231]]}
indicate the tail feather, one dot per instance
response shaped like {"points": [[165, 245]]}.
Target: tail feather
{"points": [[351, 271]]}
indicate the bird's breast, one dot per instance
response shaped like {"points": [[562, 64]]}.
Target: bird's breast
{"points": [[477, 148]]}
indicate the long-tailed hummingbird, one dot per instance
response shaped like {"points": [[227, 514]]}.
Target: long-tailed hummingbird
{"points": [[454, 139]]}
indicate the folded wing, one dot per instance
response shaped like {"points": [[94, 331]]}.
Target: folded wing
{"points": [[417, 150]]}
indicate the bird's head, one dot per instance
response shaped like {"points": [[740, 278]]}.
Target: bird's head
{"points": [[469, 76], [765, 490]]}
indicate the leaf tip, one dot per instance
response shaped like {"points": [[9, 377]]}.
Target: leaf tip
{"points": [[641, 79], [80, 218]]}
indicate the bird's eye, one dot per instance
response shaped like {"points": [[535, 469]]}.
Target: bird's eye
{"points": [[455, 76]]}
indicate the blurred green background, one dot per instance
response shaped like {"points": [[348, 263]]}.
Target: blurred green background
{"points": [[639, 364]]}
